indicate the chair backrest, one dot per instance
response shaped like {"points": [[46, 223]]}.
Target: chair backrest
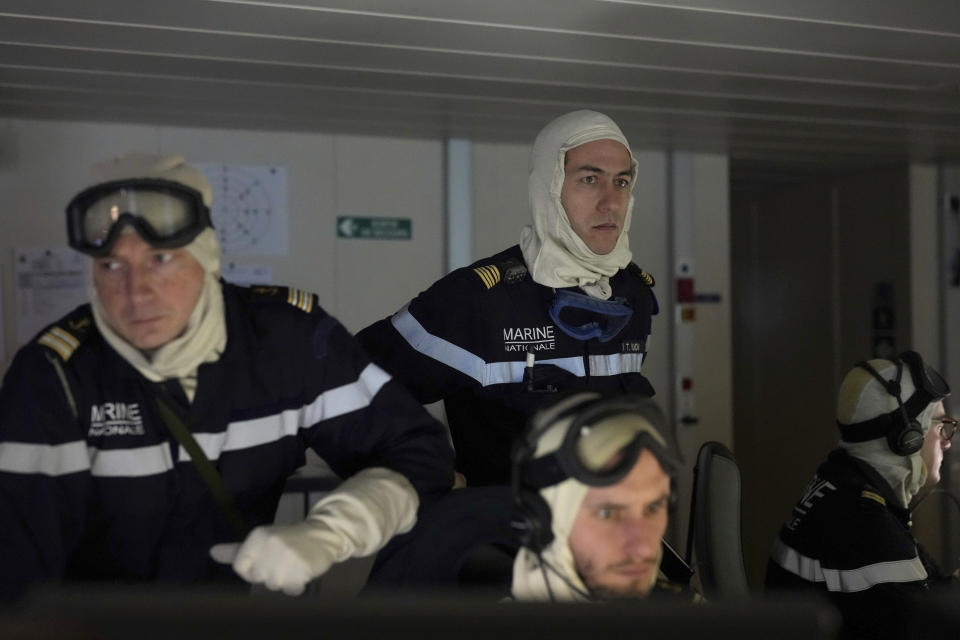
{"points": [[714, 548]]}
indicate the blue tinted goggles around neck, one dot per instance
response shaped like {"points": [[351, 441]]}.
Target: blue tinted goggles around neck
{"points": [[611, 315]]}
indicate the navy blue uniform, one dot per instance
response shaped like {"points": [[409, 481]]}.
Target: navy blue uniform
{"points": [[93, 486], [465, 340], [849, 539]]}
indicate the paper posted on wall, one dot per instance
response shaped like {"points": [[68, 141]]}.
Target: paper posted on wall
{"points": [[50, 282]]}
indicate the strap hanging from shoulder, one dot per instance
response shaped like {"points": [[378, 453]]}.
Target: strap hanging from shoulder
{"points": [[208, 473]]}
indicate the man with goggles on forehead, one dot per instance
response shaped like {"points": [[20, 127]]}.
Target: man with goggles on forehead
{"points": [[592, 485], [565, 310], [849, 534], [151, 431], [582, 520]]}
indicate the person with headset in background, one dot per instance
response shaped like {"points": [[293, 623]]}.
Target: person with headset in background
{"points": [[163, 418], [583, 519], [564, 310], [849, 534]]}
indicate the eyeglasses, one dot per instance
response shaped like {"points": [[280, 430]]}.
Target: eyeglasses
{"points": [[948, 427]]}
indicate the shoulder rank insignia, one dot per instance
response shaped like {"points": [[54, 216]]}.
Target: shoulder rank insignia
{"points": [[490, 275], [65, 336], [870, 495], [303, 300], [644, 277], [510, 271]]}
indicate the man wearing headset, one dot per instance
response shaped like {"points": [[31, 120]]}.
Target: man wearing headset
{"points": [[849, 534], [564, 310], [592, 483], [164, 417], [583, 520]]}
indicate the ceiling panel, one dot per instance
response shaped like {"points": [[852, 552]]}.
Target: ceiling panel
{"points": [[822, 83]]}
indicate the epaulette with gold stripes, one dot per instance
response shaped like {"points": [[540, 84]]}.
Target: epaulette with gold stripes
{"points": [[303, 300], [68, 334], [642, 275], [508, 271], [870, 495]]}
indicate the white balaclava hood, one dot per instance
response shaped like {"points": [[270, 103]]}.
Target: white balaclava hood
{"points": [[554, 253], [863, 398], [205, 336]]}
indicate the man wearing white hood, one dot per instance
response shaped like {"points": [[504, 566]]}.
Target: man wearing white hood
{"points": [[849, 534], [566, 309], [162, 419], [593, 487], [583, 519]]}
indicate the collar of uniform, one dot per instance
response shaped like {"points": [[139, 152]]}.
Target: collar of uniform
{"points": [[238, 356], [874, 482]]}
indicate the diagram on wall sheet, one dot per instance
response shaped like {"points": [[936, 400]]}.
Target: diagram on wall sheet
{"points": [[249, 208], [50, 282], [246, 274]]}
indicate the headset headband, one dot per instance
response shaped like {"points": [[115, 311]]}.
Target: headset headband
{"points": [[929, 387]]}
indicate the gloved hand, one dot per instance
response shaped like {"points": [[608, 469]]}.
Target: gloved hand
{"points": [[354, 520]]}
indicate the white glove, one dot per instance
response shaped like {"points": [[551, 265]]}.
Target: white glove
{"points": [[356, 519]]}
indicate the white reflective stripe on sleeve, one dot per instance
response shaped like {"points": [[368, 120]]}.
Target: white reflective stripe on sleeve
{"points": [[795, 562], [44, 459], [439, 349], [272, 428], [246, 434], [131, 463], [862, 578], [344, 399], [615, 363], [847, 580]]}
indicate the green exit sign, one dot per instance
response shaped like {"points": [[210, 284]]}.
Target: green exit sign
{"points": [[374, 228]]}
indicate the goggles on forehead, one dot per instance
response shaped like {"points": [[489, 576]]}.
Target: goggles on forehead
{"points": [[166, 214], [929, 384], [607, 317], [603, 439]]}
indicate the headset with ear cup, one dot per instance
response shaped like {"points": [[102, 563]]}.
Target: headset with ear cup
{"points": [[601, 441], [903, 431], [533, 519], [904, 434]]}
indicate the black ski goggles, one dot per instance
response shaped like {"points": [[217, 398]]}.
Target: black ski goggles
{"points": [[166, 214], [929, 384], [603, 439]]}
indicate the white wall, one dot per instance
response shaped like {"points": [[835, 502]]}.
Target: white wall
{"points": [[499, 196], [699, 211], [714, 388], [43, 164], [925, 272]]}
